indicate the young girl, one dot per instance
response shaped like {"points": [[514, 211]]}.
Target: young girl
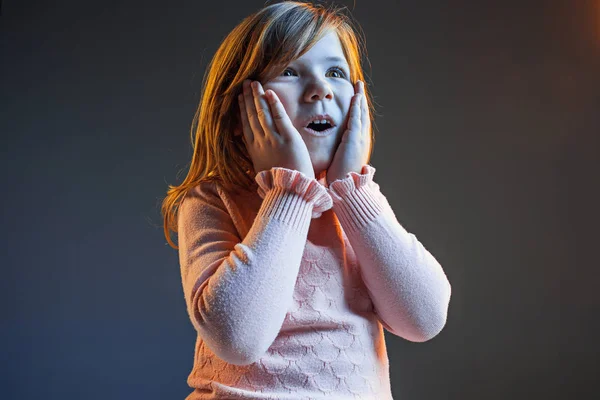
{"points": [[292, 260]]}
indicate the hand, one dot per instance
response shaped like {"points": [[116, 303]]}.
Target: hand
{"points": [[353, 151], [269, 135]]}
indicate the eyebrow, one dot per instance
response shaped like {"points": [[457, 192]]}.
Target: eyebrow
{"points": [[333, 59]]}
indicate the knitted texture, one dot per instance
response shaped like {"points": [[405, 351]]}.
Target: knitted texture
{"points": [[290, 287], [297, 182]]}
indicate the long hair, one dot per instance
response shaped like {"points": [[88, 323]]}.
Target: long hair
{"points": [[258, 48]]}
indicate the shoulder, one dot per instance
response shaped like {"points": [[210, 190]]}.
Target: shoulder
{"points": [[213, 194], [205, 192], [201, 201]]}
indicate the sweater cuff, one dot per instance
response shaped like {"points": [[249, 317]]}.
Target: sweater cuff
{"points": [[356, 198], [291, 184]]}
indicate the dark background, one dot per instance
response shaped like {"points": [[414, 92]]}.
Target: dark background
{"points": [[487, 149]]}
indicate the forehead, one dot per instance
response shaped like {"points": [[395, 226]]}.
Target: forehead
{"points": [[329, 48]]}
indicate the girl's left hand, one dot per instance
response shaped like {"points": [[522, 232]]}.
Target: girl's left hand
{"points": [[353, 151]]}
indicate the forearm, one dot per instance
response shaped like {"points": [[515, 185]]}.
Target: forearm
{"points": [[238, 291], [407, 285]]}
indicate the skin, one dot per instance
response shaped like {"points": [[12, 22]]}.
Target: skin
{"points": [[313, 85]]}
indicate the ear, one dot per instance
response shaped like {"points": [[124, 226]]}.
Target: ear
{"points": [[237, 130]]}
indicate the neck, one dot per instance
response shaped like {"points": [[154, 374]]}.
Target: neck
{"points": [[322, 178]]}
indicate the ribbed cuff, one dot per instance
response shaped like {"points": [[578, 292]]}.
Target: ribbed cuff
{"points": [[355, 199], [290, 196]]}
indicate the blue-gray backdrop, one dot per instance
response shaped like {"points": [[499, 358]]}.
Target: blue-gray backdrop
{"points": [[487, 149]]}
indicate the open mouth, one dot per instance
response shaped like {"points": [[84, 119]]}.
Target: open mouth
{"points": [[319, 127]]}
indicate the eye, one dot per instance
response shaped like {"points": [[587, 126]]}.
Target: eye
{"points": [[339, 71], [336, 69]]}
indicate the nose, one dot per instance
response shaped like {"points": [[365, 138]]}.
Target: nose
{"points": [[318, 89]]}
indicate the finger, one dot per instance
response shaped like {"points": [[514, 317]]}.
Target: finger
{"points": [[354, 124], [251, 110], [246, 130], [364, 109], [262, 109], [281, 119]]}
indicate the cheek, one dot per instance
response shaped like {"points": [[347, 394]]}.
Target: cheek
{"points": [[345, 105], [349, 93], [345, 99], [287, 101], [281, 95]]}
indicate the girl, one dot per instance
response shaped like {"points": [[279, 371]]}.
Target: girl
{"points": [[292, 260]]}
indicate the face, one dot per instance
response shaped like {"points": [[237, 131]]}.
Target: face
{"points": [[312, 85]]}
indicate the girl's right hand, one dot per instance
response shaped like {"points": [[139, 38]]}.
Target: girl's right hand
{"points": [[270, 137]]}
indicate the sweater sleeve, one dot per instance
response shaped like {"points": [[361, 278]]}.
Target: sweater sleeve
{"points": [[407, 285], [238, 291]]}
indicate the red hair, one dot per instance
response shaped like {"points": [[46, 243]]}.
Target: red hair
{"points": [[259, 48]]}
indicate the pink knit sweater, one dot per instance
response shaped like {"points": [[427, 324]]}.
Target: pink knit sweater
{"points": [[290, 285]]}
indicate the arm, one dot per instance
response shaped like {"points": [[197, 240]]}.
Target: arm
{"points": [[408, 286], [238, 291]]}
